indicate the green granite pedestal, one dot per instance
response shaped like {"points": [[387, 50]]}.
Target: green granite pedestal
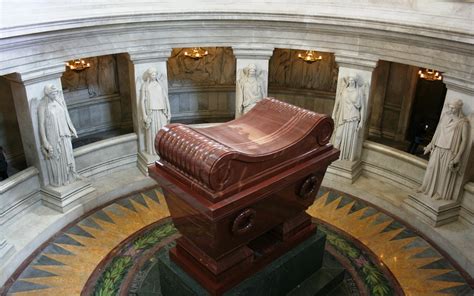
{"points": [[298, 272]]}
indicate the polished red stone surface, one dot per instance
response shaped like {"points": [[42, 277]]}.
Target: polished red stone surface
{"points": [[238, 191]]}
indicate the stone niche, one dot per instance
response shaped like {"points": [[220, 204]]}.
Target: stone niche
{"points": [[202, 90], [310, 86], [10, 138], [98, 98], [401, 102]]}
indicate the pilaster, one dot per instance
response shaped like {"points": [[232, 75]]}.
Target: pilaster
{"points": [[28, 91], [245, 56], [348, 136], [140, 62]]}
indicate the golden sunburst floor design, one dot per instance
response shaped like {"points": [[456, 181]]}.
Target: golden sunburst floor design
{"points": [[65, 265], [417, 266]]}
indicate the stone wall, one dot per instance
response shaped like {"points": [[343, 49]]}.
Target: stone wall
{"points": [[98, 98], [10, 138], [287, 70], [393, 93], [204, 90]]}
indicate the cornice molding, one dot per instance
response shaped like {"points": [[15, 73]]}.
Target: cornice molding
{"points": [[253, 53], [37, 75], [364, 63], [458, 84], [150, 56]]}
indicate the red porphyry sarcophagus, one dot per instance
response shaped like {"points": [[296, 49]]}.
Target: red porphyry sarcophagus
{"points": [[237, 192]]}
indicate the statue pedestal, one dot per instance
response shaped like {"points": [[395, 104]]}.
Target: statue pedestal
{"points": [[144, 160], [298, 272], [345, 170], [63, 198], [434, 212]]}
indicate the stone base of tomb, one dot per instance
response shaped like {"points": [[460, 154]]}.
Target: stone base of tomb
{"points": [[298, 272]]}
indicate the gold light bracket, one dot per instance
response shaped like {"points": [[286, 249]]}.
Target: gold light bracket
{"points": [[196, 53], [430, 74], [78, 65], [310, 56]]}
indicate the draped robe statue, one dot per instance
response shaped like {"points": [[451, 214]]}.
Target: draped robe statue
{"points": [[348, 115], [447, 148], [155, 108], [250, 88], [56, 131]]}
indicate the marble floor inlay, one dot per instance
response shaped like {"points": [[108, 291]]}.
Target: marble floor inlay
{"points": [[113, 251]]}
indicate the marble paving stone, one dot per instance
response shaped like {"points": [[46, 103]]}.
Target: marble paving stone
{"points": [[344, 201], [56, 249], [44, 260], [406, 233], [65, 239], [126, 203], [89, 222], [78, 231], [103, 216], [22, 286], [368, 211], [33, 273]]}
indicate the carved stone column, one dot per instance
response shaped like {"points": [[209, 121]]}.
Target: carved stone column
{"points": [[350, 114], [439, 212], [141, 62], [248, 58], [28, 93]]}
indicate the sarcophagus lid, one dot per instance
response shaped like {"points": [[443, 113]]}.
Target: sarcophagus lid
{"points": [[221, 160]]}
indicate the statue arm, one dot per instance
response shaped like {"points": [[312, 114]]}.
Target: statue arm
{"points": [[463, 144], [362, 100], [239, 93], [72, 129], [430, 146], [143, 102], [168, 108], [337, 103]]}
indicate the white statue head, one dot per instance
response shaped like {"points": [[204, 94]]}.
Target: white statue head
{"points": [[455, 106], [51, 91], [351, 81], [251, 70], [150, 74]]}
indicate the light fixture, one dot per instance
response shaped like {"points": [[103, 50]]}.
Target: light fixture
{"points": [[430, 74], [196, 53], [310, 56], [78, 65]]}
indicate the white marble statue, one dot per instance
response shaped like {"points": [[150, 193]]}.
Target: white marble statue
{"points": [[348, 115], [447, 147], [155, 107], [56, 131], [250, 87]]}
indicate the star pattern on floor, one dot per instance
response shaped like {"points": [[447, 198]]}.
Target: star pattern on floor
{"points": [[65, 265], [67, 262], [416, 265]]}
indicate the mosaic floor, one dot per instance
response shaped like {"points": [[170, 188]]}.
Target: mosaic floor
{"points": [[113, 251]]}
